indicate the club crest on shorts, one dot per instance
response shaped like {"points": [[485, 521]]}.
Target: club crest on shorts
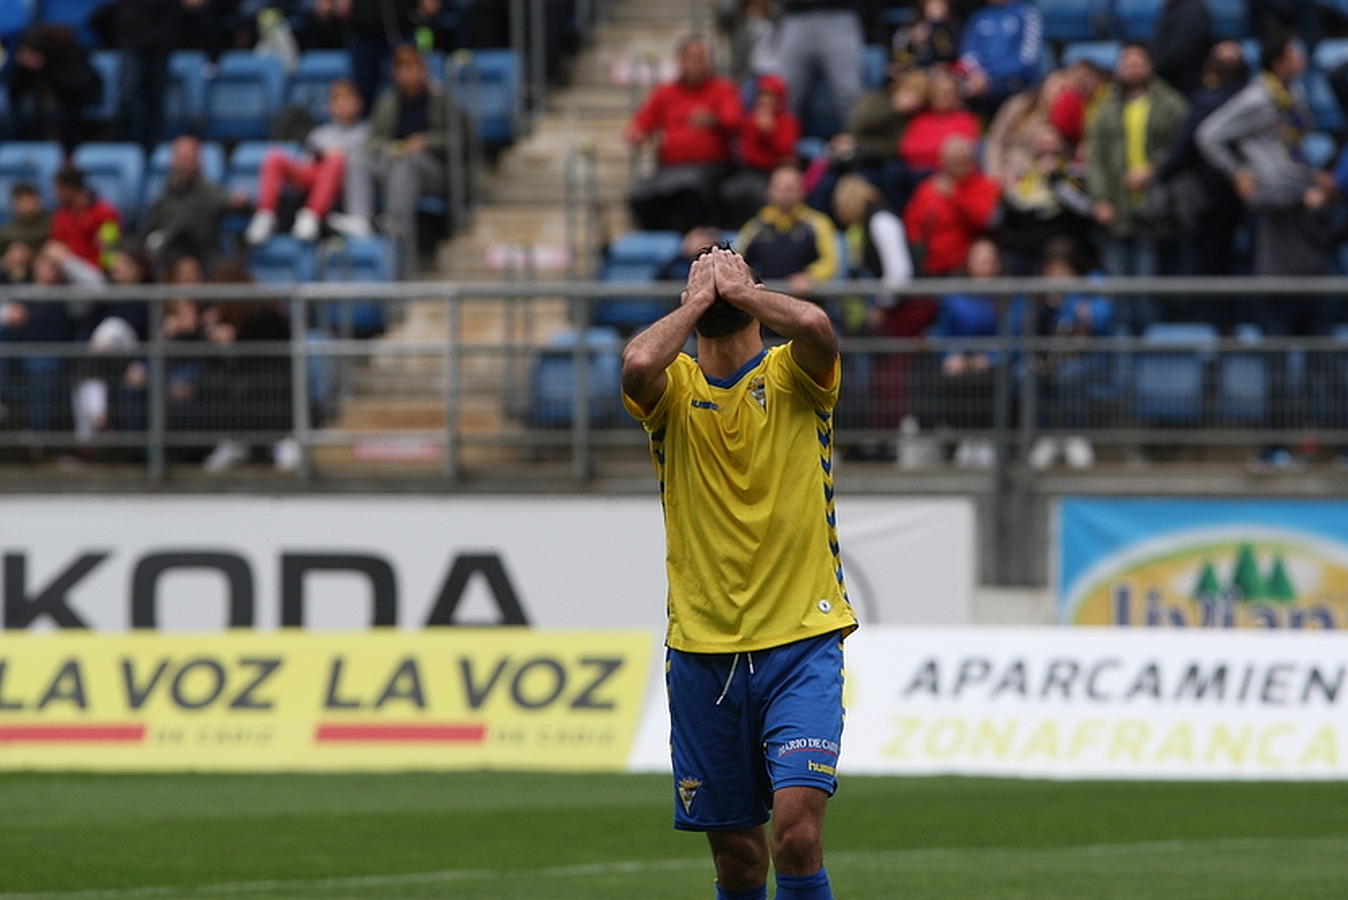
{"points": [[759, 391], [687, 791]]}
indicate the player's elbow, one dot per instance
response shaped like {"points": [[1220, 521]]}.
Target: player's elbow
{"points": [[816, 327], [638, 363]]}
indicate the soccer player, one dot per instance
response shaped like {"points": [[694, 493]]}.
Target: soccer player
{"points": [[742, 439]]}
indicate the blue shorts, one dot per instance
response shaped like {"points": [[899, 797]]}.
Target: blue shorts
{"points": [[743, 725]]}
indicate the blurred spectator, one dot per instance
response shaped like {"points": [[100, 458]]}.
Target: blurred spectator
{"points": [[768, 138], [1043, 200], [28, 221], [752, 28], [950, 210], [932, 40], [1181, 42], [16, 263], [1128, 137], [787, 239], [50, 83], [822, 34], [181, 320], [1255, 140], [409, 141], [1066, 377], [335, 170], [944, 117], [186, 216], [1085, 89], [427, 27], [31, 386], [145, 32], [1203, 202], [961, 392], [375, 28], [83, 221], [874, 237], [1013, 135], [1002, 50], [696, 116], [690, 248], [322, 26]]}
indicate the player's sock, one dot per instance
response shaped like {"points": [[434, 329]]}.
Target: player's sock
{"points": [[804, 887], [758, 893]]}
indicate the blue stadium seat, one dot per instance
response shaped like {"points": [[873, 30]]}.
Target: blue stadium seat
{"points": [[357, 259], [108, 64], [31, 162], [312, 79], [1330, 53], [282, 259], [1320, 149], [74, 13], [874, 65], [636, 256], [185, 95], [1073, 20], [1168, 386], [1135, 20], [1243, 383], [115, 172], [1102, 53], [553, 380], [156, 173], [1324, 105], [487, 84], [1229, 19], [243, 96], [1251, 49], [810, 147]]}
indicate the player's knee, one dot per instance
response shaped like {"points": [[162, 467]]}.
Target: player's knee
{"points": [[740, 864], [797, 847]]}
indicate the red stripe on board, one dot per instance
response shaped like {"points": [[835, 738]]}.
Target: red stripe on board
{"points": [[441, 734], [72, 733]]}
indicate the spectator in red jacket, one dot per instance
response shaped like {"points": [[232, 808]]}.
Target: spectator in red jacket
{"points": [[696, 115], [768, 138], [85, 223], [951, 209], [944, 117]]}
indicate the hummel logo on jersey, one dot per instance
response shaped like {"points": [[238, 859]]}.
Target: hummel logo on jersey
{"points": [[759, 391], [704, 404], [687, 791]]}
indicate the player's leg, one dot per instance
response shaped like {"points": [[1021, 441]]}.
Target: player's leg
{"points": [[798, 843], [741, 859]]}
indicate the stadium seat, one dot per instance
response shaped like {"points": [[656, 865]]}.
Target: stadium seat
{"points": [[809, 148], [1135, 20], [1102, 53], [874, 65], [1324, 105], [74, 13], [553, 380], [357, 259], [313, 77], [488, 84], [156, 173], [282, 259], [1243, 383], [1251, 50], [31, 162], [1320, 149], [1168, 386], [185, 95], [243, 96], [636, 256], [246, 160], [115, 172], [108, 64], [1330, 54], [1229, 19], [1073, 20]]}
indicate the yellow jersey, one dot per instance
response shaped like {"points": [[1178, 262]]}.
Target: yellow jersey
{"points": [[746, 481]]}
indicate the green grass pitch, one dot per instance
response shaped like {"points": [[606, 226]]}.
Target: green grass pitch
{"points": [[501, 836]]}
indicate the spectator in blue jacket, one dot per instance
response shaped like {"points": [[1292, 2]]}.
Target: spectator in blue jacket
{"points": [[1002, 51]]}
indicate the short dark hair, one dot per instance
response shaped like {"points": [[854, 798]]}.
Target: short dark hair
{"points": [[23, 189], [1273, 45], [721, 318], [70, 177], [1135, 45]]}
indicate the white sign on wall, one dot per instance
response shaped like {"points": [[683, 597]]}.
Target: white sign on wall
{"points": [[194, 563]]}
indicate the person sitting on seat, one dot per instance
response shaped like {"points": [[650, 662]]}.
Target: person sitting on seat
{"points": [[789, 240]]}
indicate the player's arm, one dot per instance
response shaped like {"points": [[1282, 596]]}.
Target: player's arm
{"points": [[648, 354], [814, 346]]}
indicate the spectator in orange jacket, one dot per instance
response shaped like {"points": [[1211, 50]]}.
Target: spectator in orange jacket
{"points": [[87, 224], [944, 116], [696, 115], [951, 209], [768, 137]]}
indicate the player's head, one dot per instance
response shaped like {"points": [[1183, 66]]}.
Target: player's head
{"points": [[721, 319]]}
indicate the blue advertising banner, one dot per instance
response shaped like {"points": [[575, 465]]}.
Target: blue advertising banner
{"points": [[1202, 563]]}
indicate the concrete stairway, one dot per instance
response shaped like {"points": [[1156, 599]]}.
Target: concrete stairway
{"points": [[524, 206]]}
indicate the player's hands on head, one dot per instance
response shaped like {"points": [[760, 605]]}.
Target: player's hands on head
{"points": [[701, 287], [732, 272]]}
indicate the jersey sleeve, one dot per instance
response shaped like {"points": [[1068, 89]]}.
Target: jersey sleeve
{"points": [[676, 385], [788, 372]]}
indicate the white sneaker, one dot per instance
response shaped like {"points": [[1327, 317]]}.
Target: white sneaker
{"points": [[226, 455], [285, 453], [306, 226], [914, 450], [975, 453], [1043, 453], [348, 225], [1078, 452], [261, 227]]}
